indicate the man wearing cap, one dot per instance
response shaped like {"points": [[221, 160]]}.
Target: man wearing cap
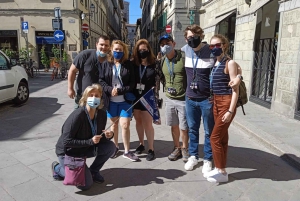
{"points": [[87, 63], [175, 85]]}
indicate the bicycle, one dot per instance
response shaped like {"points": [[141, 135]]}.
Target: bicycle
{"points": [[31, 70]]}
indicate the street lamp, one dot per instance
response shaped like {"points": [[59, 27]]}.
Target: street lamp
{"points": [[57, 12], [90, 13]]}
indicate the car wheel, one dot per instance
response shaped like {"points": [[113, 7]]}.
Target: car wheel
{"points": [[22, 94]]}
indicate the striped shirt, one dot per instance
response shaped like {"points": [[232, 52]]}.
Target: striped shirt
{"points": [[203, 68], [220, 80]]}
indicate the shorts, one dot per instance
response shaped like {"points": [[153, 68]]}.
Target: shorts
{"points": [[139, 106], [176, 113], [118, 109]]}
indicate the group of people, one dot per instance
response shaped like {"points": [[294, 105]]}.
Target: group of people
{"points": [[200, 81]]}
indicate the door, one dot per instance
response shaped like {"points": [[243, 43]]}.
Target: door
{"points": [[7, 80]]}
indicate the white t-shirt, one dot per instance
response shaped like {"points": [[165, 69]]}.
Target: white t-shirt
{"points": [[116, 83]]}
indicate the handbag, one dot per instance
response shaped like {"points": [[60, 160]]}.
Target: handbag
{"points": [[128, 96], [74, 171]]}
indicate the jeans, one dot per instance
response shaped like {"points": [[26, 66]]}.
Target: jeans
{"points": [[195, 108], [105, 150], [77, 99]]}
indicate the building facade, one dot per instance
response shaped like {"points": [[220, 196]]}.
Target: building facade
{"points": [[131, 28], [126, 11], [264, 40], [39, 15], [176, 13], [114, 19]]}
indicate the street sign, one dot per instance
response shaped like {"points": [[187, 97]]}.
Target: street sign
{"points": [[85, 27], [85, 35], [168, 29], [25, 27], [59, 35]]}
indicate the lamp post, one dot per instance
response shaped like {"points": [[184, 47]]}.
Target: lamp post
{"points": [[57, 15], [90, 13]]}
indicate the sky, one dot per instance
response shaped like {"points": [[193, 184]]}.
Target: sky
{"points": [[135, 11]]}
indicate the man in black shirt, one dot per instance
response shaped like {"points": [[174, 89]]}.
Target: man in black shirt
{"points": [[87, 63]]}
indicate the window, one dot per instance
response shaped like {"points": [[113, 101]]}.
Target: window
{"points": [[3, 63]]}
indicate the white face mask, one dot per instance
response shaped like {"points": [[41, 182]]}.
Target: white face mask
{"points": [[100, 54], [166, 49], [93, 102]]}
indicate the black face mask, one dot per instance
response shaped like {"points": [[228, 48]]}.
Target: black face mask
{"points": [[194, 42], [143, 54]]}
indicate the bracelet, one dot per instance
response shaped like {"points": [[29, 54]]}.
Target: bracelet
{"points": [[229, 111]]}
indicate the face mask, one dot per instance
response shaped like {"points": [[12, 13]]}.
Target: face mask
{"points": [[93, 102], [143, 54], [194, 42], [166, 49], [100, 54], [118, 55], [216, 51]]}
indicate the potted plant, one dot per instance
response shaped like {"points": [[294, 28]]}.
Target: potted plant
{"points": [[44, 59]]}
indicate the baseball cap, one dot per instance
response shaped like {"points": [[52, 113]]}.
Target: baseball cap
{"points": [[166, 36]]}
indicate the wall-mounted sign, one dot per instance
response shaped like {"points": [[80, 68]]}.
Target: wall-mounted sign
{"points": [[71, 20], [72, 47], [9, 33]]}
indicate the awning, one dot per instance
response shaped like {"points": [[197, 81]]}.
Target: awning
{"points": [[248, 16], [47, 40], [212, 26], [289, 5]]}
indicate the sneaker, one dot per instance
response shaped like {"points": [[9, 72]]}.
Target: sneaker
{"points": [[54, 174], [140, 149], [218, 177], [208, 174], [116, 152], [207, 166], [192, 161], [150, 156], [97, 178], [130, 155], [176, 153], [185, 154]]}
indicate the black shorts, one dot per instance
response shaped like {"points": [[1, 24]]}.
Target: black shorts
{"points": [[139, 106]]}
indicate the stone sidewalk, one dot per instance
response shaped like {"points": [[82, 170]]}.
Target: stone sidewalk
{"points": [[28, 135], [280, 134]]}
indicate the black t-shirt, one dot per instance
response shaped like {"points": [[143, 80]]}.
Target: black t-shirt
{"points": [[87, 64], [148, 78]]}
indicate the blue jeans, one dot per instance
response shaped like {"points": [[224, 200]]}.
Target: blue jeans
{"points": [[194, 110], [105, 150]]}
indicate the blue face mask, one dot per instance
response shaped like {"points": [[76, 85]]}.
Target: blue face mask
{"points": [[216, 51], [100, 54], [118, 55], [166, 49], [93, 102]]}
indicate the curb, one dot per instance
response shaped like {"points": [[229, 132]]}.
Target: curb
{"points": [[284, 151]]}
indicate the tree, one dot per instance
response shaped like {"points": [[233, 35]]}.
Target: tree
{"points": [[44, 59]]}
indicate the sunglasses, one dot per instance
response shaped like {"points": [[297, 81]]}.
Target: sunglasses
{"points": [[217, 45]]}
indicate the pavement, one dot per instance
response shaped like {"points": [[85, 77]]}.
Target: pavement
{"points": [[260, 144]]}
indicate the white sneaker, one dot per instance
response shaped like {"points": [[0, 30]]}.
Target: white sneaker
{"points": [[207, 166], [192, 161], [218, 177], [207, 174]]}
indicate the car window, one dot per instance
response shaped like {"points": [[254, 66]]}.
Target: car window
{"points": [[3, 63]]}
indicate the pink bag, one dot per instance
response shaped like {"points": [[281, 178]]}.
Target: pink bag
{"points": [[74, 171]]}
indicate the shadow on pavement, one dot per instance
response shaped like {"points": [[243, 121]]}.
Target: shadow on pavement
{"points": [[42, 81], [243, 164], [16, 121], [125, 177]]}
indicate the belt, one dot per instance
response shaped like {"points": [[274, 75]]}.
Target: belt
{"points": [[196, 99]]}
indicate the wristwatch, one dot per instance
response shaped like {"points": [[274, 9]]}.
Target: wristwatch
{"points": [[239, 76]]}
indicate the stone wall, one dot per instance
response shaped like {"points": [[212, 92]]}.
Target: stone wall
{"points": [[288, 65]]}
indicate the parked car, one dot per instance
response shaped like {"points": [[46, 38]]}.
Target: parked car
{"points": [[13, 81]]}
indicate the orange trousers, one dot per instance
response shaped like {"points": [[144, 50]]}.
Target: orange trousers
{"points": [[219, 137]]}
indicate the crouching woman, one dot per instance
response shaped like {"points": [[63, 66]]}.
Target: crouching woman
{"points": [[81, 137]]}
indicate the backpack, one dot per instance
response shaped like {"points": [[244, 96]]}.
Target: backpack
{"points": [[243, 98]]}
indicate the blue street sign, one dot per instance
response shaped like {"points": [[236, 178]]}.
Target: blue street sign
{"points": [[25, 27], [59, 35]]}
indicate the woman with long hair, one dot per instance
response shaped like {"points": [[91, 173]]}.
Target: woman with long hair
{"points": [[224, 108], [145, 75], [116, 76]]}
